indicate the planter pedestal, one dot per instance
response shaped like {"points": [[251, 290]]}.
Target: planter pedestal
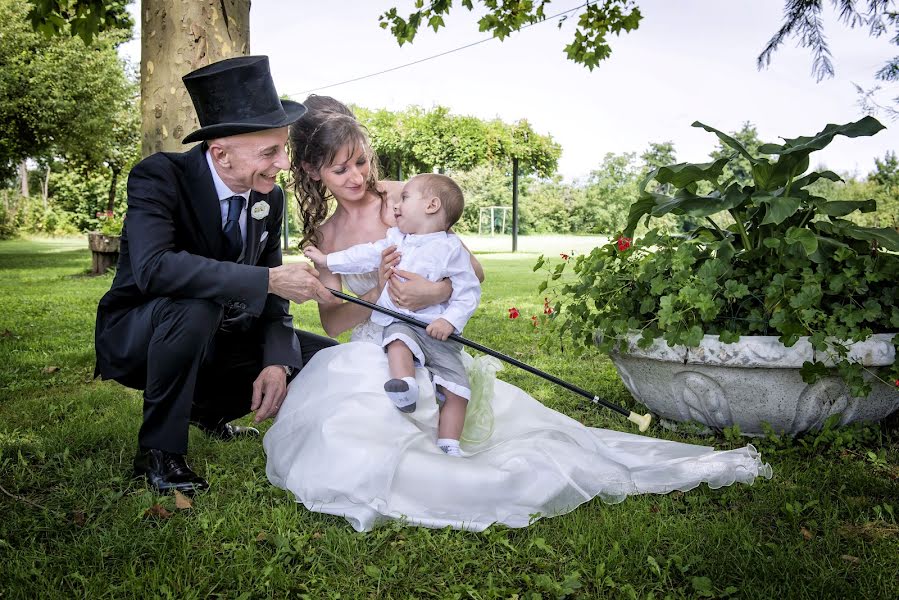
{"points": [[752, 382], [104, 251]]}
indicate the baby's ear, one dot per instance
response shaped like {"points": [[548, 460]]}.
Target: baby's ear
{"points": [[433, 206], [311, 171]]}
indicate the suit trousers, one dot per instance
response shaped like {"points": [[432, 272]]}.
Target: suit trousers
{"points": [[192, 370]]}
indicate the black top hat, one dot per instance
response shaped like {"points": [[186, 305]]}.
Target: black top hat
{"points": [[237, 95]]}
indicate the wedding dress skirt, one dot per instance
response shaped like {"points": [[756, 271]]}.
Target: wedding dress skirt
{"points": [[341, 447]]}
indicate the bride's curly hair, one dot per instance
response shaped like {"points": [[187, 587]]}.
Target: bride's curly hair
{"points": [[315, 139]]}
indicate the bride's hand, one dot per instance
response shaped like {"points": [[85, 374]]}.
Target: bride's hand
{"points": [[416, 292], [390, 258]]}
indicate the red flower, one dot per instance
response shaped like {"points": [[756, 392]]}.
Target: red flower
{"points": [[534, 320], [624, 243], [564, 256], [547, 309], [897, 383], [513, 313]]}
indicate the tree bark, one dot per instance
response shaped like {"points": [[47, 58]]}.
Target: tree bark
{"points": [[23, 174], [176, 38], [110, 200], [45, 187]]}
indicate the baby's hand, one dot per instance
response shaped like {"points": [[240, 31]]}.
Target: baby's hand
{"points": [[316, 256], [440, 329]]}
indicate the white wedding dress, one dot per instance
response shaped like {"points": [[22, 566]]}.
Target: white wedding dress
{"points": [[342, 448]]}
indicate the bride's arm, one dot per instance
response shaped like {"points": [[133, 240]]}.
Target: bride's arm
{"points": [[337, 319]]}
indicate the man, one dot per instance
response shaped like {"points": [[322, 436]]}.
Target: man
{"points": [[197, 315]]}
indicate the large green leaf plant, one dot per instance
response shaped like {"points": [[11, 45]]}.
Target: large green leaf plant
{"points": [[770, 258]]}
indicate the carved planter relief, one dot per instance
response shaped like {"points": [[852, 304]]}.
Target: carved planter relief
{"points": [[752, 382]]}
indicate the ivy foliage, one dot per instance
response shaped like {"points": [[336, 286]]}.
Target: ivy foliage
{"points": [[417, 140], [770, 258]]}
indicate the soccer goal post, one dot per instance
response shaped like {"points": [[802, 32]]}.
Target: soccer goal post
{"points": [[494, 218]]}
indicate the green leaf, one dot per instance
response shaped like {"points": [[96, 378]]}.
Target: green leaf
{"points": [[732, 143], [815, 176], [884, 236], [372, 571], [682, 174], [703, 206], [804, 145], [805, 237], [729, 337], [642, 206], [841, 208], [785, 170], [726, 251], [777, 210], [813, 371]]}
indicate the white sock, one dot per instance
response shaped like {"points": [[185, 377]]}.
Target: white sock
{"points": [[403, 392], [449, 446]]}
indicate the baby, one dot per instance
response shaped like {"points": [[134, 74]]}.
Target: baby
{"points": [[429, 206]]}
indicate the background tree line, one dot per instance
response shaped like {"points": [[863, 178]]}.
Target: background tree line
{"points": [[70, 131]]}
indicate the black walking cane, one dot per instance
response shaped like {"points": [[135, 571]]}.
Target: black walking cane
{"points": [[642, 421]]}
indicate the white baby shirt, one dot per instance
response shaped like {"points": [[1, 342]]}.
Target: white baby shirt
{"points": [[434, 256]]}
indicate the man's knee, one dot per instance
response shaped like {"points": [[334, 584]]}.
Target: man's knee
{"points": [[187, 324]]}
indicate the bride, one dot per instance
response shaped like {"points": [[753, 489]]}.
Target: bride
{"points": [[341, 447]]}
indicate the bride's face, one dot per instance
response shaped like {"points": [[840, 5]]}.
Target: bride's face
{"points": [[346, 177]]}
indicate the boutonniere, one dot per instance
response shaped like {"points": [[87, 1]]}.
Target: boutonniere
{"points": [[260, 210]]}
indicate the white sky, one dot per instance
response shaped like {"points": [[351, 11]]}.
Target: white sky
{"points": [[689, 60]]}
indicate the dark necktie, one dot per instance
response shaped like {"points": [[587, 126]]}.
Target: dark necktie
{"points": [[234, 243]]}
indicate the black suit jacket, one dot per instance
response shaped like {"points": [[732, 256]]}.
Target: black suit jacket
{"points": [[173, 246]]}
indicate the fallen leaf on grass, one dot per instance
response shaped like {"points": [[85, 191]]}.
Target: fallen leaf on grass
{"points": [[159, 511], [806, 533], [182, 502], [871, 530], [79, 518], [849, 558], [262, 536], [654, 508], [51, 369]]}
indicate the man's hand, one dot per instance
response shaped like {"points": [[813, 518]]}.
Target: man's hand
{"points": [[318, 258], [298, 282], [440, 329], [269, 391]]}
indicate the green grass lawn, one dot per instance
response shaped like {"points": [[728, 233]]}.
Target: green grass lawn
{"points": [[73, 523]]}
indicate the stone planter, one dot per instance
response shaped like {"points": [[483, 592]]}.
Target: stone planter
{"points": [[752, 382], [104, 251]]}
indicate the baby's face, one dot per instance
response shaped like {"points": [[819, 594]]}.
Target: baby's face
{"points": [[411, 210]]}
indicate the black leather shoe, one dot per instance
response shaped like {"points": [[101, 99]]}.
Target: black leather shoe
{"points": [[167, 472], [226, 431]]}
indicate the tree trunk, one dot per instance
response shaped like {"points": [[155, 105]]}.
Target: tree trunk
{"points": [[176, 38], [45, 187], [110, 202], [23, 174]]}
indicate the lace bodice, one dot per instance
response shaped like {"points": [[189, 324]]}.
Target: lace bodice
{"points": [[360, 284]]}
